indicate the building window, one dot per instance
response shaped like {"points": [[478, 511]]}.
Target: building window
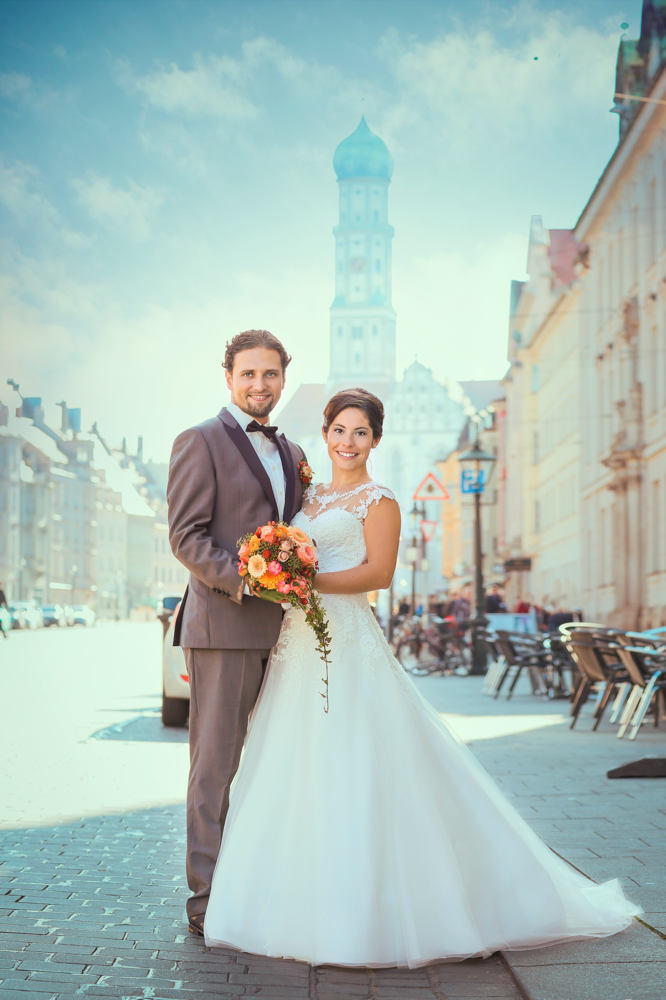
{"points": [[157, 574], [170, 575], [376, 216], [535, 378], [357, 333], [340, 267], [537, 515], [374, 331], [157, 545], [340, 332], [357, 359], [378, 266]]}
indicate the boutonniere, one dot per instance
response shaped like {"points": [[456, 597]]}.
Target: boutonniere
{"points": [[305, 472]]}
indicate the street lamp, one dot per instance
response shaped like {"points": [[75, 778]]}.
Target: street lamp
{"points": [[413, 552], [478, 466]]}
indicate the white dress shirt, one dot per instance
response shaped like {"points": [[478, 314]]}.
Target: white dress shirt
{"points": [[268, 453]]}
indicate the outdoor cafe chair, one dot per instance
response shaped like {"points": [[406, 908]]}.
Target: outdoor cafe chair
{"points": [[645, 662], [496, 660], [595, 652], [521, 651]]}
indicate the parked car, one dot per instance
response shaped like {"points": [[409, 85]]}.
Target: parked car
{"points": [[26, 614], [5, 620], [53, 614], [83, 615], [175, 681]]}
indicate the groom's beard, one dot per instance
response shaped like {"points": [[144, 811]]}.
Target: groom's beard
{"points": [[254, 409]]}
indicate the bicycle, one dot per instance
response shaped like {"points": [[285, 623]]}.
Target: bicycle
{"points": [[435, 649]]}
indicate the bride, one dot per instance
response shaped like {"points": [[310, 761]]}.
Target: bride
{"points": [[371, 836]]}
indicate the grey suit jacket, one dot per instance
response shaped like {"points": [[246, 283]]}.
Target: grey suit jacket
{"points": [[218, 490]]}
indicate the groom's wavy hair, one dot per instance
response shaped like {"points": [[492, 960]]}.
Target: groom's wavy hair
{"points": [[253, 338], [358, 399]]}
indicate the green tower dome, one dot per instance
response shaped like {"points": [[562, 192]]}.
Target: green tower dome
{"points": [[362, 154]]}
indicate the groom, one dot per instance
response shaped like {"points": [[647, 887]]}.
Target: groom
{"points": [[227, 476]]}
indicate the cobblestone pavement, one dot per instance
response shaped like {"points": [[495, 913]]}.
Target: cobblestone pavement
{"points": [[556, 779], [95, 908], [93, 905]]}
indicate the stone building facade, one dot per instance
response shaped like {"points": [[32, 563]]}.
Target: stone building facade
{"points": [[74, 526], [586, 392]]}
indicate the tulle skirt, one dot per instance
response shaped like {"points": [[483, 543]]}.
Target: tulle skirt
{"points": [[371, 836]]}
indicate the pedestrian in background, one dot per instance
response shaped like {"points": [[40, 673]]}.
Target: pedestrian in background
{"points": [[6, 620]]}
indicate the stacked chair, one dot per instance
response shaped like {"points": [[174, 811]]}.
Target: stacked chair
{"points": [[621, 669]]}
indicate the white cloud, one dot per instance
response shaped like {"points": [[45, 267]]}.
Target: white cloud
{"points": [[18, 194], [472, 88], [209, 89], [36, 95], [14, 84], [126, 211]]}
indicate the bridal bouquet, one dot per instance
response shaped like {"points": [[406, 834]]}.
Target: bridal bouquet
{"points": [[279, 563]]}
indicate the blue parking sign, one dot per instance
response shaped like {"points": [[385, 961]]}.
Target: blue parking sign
{"points": [[471, 482]]}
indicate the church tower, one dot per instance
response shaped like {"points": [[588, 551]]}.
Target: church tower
{"points": [[362, 339]]}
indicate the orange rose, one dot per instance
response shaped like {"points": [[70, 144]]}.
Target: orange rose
{"points": [[268, 534]]}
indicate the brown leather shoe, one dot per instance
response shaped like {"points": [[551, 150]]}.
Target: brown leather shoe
{"points": [[197, 924]]}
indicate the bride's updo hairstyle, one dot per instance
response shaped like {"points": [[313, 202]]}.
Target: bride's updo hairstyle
{"points": [[359, 399]]}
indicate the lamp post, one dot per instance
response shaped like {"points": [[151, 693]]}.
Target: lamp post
{"points": [[413, 553], [475, 462]]}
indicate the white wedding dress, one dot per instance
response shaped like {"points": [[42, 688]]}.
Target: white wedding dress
{"points": [[371, 836]]}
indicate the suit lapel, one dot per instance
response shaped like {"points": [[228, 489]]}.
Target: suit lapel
{"points": [[239, 438], [289, 476]]}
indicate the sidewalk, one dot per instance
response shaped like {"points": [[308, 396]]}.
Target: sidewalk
{"points": [[94, 908], [556, 778]]}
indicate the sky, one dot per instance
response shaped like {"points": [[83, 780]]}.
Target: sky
{"points": [[166, 181]]}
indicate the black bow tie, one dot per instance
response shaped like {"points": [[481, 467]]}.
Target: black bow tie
{"points": [[265, 429]]}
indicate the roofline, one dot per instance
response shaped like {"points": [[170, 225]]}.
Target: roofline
{"points": [[624, 149]]}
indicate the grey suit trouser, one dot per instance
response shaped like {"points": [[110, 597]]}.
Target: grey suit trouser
{"points": [[224, 685]]}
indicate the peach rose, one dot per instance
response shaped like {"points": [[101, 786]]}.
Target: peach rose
{"points": [[306, 554], [245, 551], [268, 534]]}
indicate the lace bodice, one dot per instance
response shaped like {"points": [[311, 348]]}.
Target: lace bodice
{"points": [[335, 522]]}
